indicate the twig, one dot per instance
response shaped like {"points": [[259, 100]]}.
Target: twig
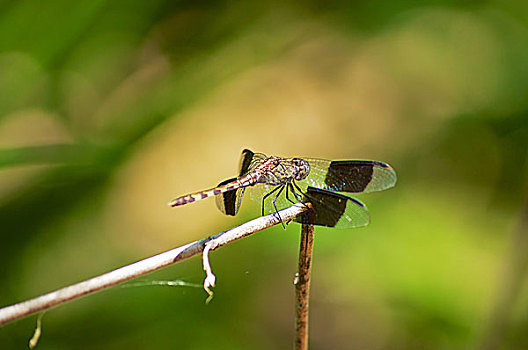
{"points": [[38, 331], [210, 278], [302, 286], [142, 267]]}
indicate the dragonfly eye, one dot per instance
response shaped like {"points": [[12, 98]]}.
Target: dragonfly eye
{"points": [[303, 168]]}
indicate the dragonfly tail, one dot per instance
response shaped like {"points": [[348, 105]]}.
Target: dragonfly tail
{"points": [[192, 197]]}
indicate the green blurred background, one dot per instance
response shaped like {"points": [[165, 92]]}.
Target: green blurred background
{"points": [[109, 109]]}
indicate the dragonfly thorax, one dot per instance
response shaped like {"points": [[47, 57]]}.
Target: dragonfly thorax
{"points": [[280, 171]]}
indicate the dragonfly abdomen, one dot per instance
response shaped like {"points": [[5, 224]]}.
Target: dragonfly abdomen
{"points": [[189, 198]]}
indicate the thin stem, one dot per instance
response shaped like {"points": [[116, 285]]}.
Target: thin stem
{"points": [[302, 286], [142, 267]]}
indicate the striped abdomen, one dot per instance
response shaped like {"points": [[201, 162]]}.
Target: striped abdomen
{"points": [[189, 198]]}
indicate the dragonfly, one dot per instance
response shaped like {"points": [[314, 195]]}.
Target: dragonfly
{"points": [[279, 182]]}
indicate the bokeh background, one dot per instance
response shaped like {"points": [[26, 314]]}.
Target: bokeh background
{"points": [[109, 109]]}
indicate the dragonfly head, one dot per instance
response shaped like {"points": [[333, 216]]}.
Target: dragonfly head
{"points": [[303, 168]]}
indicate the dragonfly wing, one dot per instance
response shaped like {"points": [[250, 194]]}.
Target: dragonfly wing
{"points": [[334, 210], [270, 198], [229, 202], [248, 161], [245, 161], [353, 176], [330, 209]]}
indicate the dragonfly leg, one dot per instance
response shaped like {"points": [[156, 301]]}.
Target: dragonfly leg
{"points": [[297, 196], [288, 189], [275, 204], [267, 195]]}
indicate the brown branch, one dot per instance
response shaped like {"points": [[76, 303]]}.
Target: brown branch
{"points": [[302, 286], [143, 267]]}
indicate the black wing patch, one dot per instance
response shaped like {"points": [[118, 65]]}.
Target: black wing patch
{"points": [[357, 175], [245, 161], [229, 202], [334, 210]]}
